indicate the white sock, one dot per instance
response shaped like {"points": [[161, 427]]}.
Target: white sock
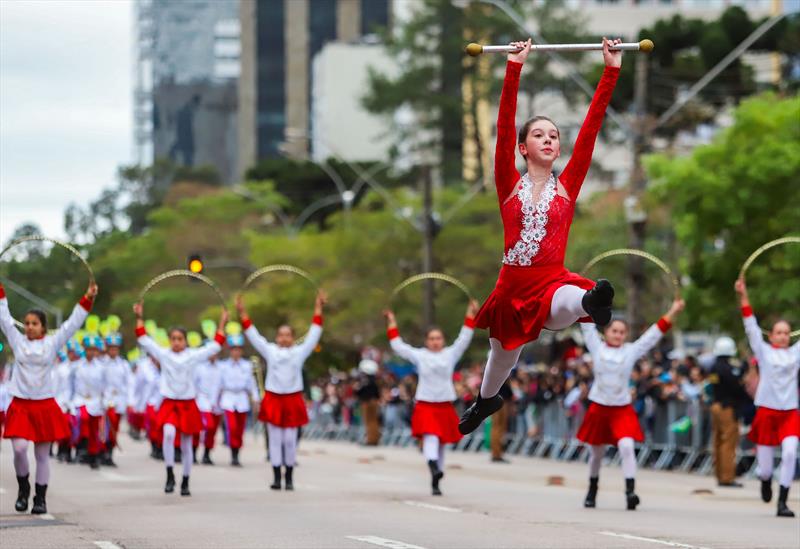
{"points": [[289, 446], [625, 446], [20, 446], [168, 445], [598, 451], [430, 447], [498, 366], [41, 451], [765, 455], [788, 460], [275, 435], [187, 456], [565, 308]]}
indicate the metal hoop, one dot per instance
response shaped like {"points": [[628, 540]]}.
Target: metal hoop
{"points": [[676, 285], [431, 276], [182, 272], [278, 267], [68, 247], [761, 250]]}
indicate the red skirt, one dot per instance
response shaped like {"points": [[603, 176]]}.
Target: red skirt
{"points": [[518, 307], [770, 426], [183, 414], [607, 424], [435, 418], [285, 411], [36, 420]]}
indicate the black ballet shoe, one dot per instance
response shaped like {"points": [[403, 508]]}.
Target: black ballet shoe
{"points": [[597, 302], [436, 475], [185, 487], [288, 481], [93, 462], [276, 475], [235, 457], [766, 490], [591, 496], [23, 493], [39, 503], [631, 499], [477, 412], [169, 487], [783, 510], [207, 458]]}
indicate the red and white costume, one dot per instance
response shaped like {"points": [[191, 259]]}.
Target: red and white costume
{"points": [[90, 384], [238, 387], [283, 408], [64, 374], [208, 380], [118, 380], [149, 397], [777, 420]]}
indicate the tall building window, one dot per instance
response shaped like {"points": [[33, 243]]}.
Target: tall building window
{"points": [[271, 76], [374, 14]]}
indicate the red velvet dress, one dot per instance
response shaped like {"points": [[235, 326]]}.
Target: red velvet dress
{"points": [[536, 231]]}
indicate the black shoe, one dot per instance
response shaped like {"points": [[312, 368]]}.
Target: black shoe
{"points": [[631, 498], [23, 493], [477, 412], [731, 484], [169, 487], [39, 503], [235, 457], [276, 482], [207, 458], [783, 495], [288, 481], [436, 476], [500, 460], [93, 462], [597, 302], [185, 487], [591, 496], [108, 459], [766, 490], [61, 456]]}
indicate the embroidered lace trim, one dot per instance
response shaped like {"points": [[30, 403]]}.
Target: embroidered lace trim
{"points": [[534, 221]]}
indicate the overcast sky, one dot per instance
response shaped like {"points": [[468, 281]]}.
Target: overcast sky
{"points": [[65, 106]]}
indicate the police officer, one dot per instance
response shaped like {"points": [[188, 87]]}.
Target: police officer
{"points": [[729, 397]]}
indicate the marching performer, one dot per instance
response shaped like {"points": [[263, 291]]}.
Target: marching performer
{"points": [[208, 380], [178, 414], [90, 385], [534, 290], [777, 421], [434, 419], [283, 408], [64, 373], [238, 388], [34, 415], [611, 418], [118, 379]]}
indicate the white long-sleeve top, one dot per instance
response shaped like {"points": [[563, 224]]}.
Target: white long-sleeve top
{"points": [[177, 369], [612, 366], [64, 374], [208, 380], [34, 358], [284, 364], [238, 385], [147, 384], [90, 384], [435, 369], [118, 379], [777, 367]]}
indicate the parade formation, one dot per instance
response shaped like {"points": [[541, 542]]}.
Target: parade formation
{"points": [[72, 392]]}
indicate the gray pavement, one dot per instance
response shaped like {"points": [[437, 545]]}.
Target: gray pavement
{"points": [[353, 497]]}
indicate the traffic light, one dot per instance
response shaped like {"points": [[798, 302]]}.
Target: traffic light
{"points": [[196, 264]]}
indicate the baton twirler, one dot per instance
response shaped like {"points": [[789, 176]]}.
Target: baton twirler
{"points": [[644, 46]]}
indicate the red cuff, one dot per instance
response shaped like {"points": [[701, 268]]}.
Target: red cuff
{"points": [[613, 70], [747, 310], [317, 320], [86, 302], [2, 292], [392, 333], [219, 337], [469, 322], [246, 323], [664, 325], [140, 331]]}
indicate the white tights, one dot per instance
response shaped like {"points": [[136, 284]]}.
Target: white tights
{"points": [[282, 445], [433, 450], [169, 449], [565, 310], [625, 447], [41, 452], [766, 457]]}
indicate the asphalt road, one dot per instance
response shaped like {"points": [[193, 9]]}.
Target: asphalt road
{"points": [[353, 497]]}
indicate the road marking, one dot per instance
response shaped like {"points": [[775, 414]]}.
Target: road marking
{"points": [[46, 516], [2, 490], [383, 542], [107, 545], [431, 506], [652, 540], [116, 477]]}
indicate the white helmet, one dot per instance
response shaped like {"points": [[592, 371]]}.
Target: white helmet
{"points": [[369, 367], [724, 346]]}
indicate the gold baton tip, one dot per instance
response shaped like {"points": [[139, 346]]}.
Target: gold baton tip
{"points": [[646, 45], [474, 49]]}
